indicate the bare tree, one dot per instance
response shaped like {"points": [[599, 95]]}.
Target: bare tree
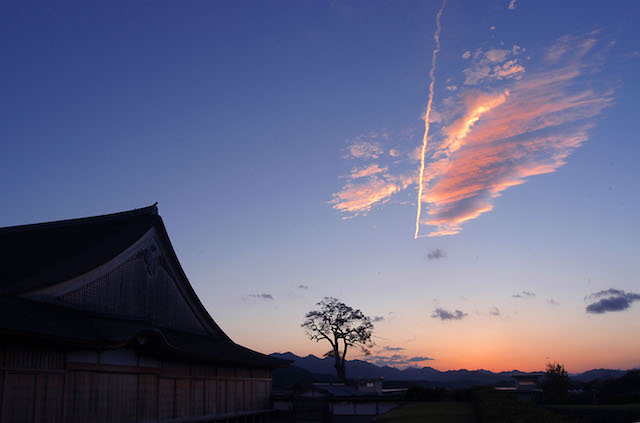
{"points": [[342, 327]]}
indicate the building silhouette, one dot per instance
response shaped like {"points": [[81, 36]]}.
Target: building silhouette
{"points": [[98, 322]]}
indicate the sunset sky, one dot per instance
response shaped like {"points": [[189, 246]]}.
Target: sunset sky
{"points": [[283, 142]]}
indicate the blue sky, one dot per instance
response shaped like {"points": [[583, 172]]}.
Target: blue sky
{"points": [[240, 119]]}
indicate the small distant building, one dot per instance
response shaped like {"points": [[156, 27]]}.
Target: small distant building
{"points": [[337, 402], [98, 322], [527, 387], [372, 385], [527, 381]]}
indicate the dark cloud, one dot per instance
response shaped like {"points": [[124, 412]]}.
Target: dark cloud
{"points": [[396, 360], [393, 348], [604, 293], [260, 296], [377, 319], [495, 311], [524, 294], [303, 286], [442, 314], [418, 359], [611, 300], [435, 254]]}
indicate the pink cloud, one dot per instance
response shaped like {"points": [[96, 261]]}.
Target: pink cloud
{"points": [[494, 64], [497, 141], [367, 171], [509, 69], [359, 196], [489, 139], [365, 150], [476, 105], [497, 55], [481, 172], [570, 46]]}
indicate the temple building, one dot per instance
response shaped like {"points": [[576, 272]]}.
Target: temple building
{"points": [[98, 322]]}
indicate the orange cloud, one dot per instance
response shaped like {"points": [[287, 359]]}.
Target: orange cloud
{"points": [[477, 104], [367, 171], [481, 172], [360, 197], [490, 140]]}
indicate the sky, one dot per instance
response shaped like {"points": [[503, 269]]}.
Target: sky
{"points": [[285, 141]]}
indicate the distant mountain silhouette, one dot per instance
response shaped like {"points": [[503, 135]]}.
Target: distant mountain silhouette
{"points": [[591, 375], [321, 369]]}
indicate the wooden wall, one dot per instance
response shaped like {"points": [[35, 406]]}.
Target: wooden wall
{"points": [[139, 287], [45, 386]]}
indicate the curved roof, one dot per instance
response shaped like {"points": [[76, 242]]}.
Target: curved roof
{"points": [[43, 254], [33, 257]]}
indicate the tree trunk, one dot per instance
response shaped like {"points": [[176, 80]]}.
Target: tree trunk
{"points": [[341, 371], [343, 363], [339, 361]]}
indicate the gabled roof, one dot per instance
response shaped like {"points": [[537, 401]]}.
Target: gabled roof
{"points": [[34, 257], [43, 254]]}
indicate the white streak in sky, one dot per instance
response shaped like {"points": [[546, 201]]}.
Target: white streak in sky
{"points": [[432, 74]]}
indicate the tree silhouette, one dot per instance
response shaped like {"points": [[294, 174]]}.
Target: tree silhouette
{"points": [[556, 383], [342, 327]]}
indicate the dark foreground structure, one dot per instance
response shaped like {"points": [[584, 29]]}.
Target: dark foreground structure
{"points": [[98, 322]]}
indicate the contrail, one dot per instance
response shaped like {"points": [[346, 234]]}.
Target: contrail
{"points": [[432, 74]]}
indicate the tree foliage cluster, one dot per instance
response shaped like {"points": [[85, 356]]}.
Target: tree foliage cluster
{"points": [[622, 390], [556, 384]]}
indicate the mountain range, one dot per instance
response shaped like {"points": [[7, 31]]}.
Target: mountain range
{"points": [[312, 368]]}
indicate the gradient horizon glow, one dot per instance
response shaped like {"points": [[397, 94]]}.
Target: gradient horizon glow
{"points": [[283, 142]]}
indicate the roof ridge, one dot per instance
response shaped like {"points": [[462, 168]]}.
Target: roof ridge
{"points": [[148, 210]]}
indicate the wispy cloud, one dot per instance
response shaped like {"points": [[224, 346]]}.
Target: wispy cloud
{"points": [[366, 146], [259, 297], [397, 360], [611, 300], [377, 319], [495, 311], [503, 125], [503, 138], [370, 170], [442, 314], [553, 302], [570, 45], [387, 348], [494, 64], [359, 196], [371, 184], [435, 254], [524, 294], [305, 287], [512, 5]]}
